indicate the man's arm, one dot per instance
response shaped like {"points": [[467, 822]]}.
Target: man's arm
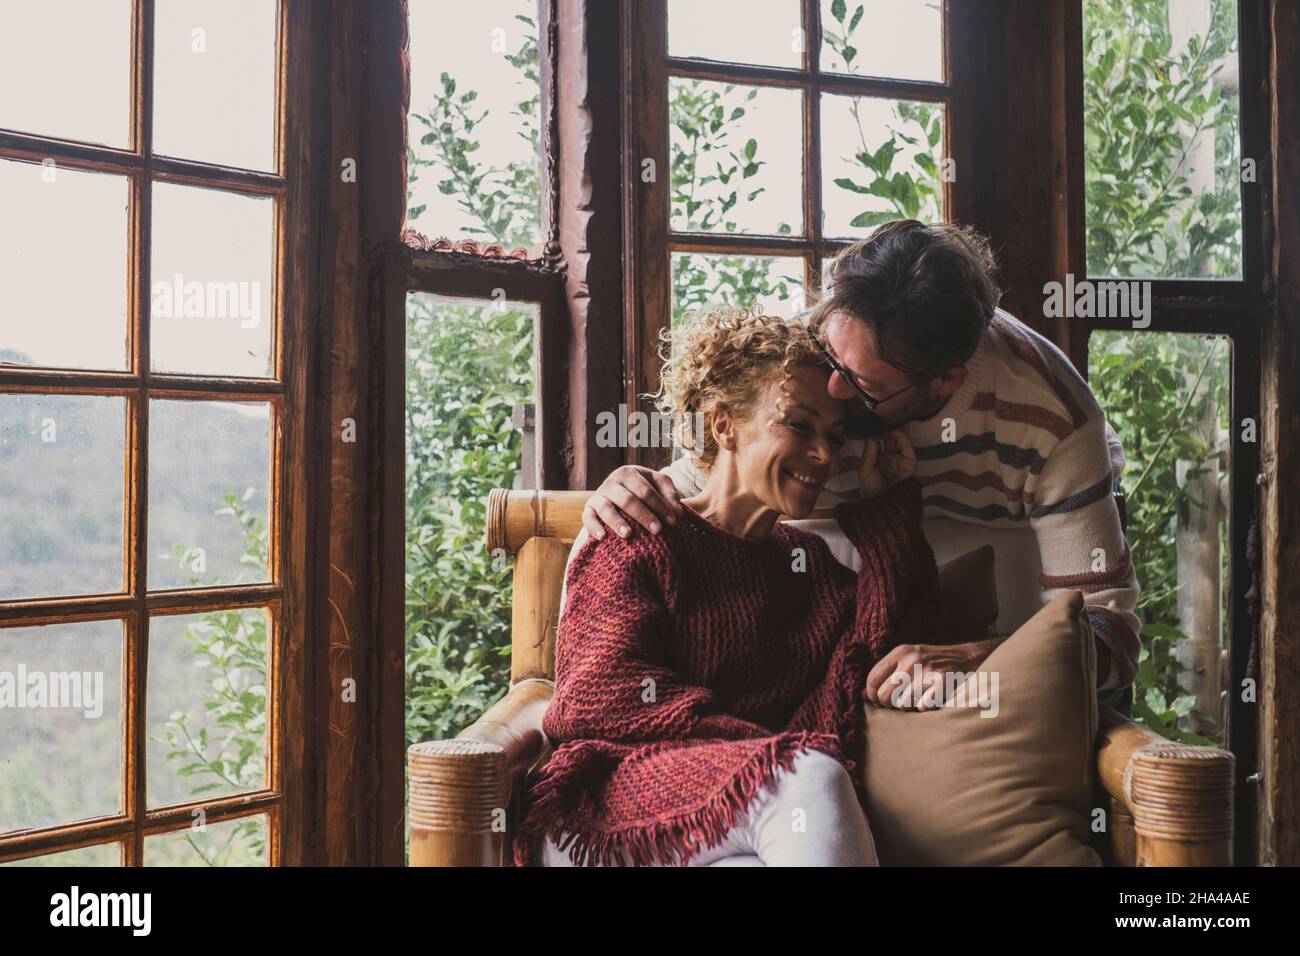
{"points": [[642, 495], [1083, 547]]}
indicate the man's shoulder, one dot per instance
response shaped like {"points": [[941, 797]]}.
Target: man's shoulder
{"points": [[1030, 369]]}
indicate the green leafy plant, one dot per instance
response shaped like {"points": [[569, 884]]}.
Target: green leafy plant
{"points": [[902, 169], [231, 648], [710, 173], [504, 204], [1156, 388], [467, 366], [1145, 106]]}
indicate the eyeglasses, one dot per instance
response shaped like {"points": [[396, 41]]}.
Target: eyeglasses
{"points": [[867, 398]]}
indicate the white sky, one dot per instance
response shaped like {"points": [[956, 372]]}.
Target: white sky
{"points": [[80, 321], [82, 89], [217, 105], [463, 48], [213, 106], [896, 38]]}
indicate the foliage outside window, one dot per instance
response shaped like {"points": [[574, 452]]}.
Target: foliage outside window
{"points": [[1167, 397], [1161, 138]]}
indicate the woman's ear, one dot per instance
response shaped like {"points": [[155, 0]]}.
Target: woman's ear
{"points": [[724, 429]]}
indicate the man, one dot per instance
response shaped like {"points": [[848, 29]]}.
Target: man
{"points": [[1010, 441]]}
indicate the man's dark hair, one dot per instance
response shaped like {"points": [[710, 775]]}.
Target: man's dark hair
{"points": [[927, 291]]}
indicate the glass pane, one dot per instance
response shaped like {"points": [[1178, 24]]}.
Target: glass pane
{"points": [[900, 40], [881, 160], [61, 734], [239, 842], [1167, 396], [1163, 167], [41, 323], [736, 158], [468, 363], [475, 165], [207, 705], [62, 493], [215, 82], [737, 31], [209, 481], [65, 67], [710, 281], [102, 854], [213, 295]]}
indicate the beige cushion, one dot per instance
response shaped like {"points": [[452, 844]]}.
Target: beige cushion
{"points": [[952, 787]]}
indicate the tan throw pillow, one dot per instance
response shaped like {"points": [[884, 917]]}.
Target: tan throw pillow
{"points": [[951, 787]]}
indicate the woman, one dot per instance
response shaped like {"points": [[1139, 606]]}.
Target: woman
{"points": [[707, 706]]}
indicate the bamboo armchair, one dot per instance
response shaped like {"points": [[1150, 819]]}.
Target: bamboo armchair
{"points": [[1169, 804]]}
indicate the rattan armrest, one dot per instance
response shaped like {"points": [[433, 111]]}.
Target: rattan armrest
{"points": [[1171, 803], [460, 798]]}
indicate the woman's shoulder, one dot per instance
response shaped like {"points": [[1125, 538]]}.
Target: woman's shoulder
{"points": [[639, 552]]}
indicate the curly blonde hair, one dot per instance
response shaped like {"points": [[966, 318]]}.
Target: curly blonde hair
{"points": [[724, 361]]}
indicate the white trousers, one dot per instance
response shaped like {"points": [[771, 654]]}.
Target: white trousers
{"points": [[809, 816]]}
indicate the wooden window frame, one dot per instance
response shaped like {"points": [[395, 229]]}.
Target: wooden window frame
{"points": [[649, 239], [285, 394]]}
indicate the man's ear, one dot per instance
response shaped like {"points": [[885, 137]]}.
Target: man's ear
{"points": [[951, 380]]}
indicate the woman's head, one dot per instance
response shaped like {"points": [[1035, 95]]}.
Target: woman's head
{"points": [[756, 384]]}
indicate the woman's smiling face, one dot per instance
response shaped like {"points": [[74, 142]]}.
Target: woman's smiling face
{"points": [[791, 444]]}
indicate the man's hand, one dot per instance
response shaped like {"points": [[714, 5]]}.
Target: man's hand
{"points": [[890, 683], [631, 492], [886, 461]]}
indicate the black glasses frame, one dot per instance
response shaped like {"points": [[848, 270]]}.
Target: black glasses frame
{"points": [[866, 397]]}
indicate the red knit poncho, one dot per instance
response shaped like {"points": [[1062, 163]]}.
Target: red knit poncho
{"points": [[691, 664]]}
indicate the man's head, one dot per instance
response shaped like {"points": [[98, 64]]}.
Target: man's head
{"points": [[903, 310]]}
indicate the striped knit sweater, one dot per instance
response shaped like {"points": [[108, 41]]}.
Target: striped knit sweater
{"points": [[1023, 440]]}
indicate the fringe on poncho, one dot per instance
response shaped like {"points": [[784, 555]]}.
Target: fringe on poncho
{"points": [[692, 664]]}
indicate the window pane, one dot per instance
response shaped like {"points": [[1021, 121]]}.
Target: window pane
{"points": [[102, 854], [711, 281], [1163, 165], [737, 31], [900, 40], [209, 480], [736, 158], [239, 842], [207, 705], [1168, 398], [215, 82], [61, 730], [62, 494], [881, 160], [475, 164], [468, 364], [47, 318], [65, 67], [213, 295]]}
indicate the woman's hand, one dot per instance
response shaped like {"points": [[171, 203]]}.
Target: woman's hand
{"points": [[886, 461]]}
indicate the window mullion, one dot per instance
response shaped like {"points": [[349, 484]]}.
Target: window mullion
{"points": [[138, 505]]}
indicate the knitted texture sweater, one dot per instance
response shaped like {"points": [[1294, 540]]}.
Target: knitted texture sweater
{"points": [[691, 665]]}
